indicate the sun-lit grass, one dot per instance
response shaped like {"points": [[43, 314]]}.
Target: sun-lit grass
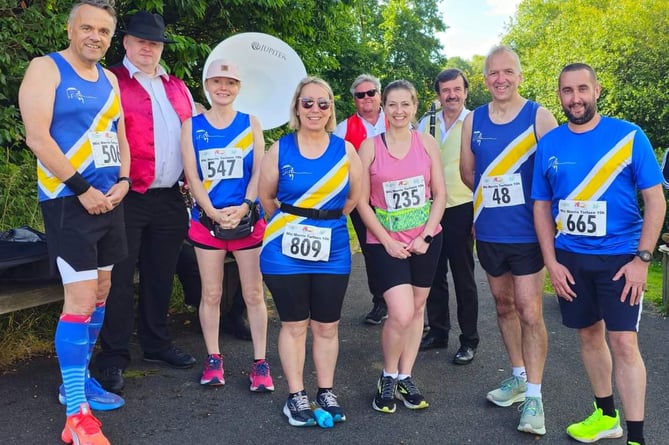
{"points": [[27, 333]]}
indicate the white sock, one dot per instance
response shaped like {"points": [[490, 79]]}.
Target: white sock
{"points": [[533, 390], [519, 371], [403, 376], [388, 374]]}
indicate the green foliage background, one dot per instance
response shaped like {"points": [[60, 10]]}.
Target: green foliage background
{"points": [[624, 40]]}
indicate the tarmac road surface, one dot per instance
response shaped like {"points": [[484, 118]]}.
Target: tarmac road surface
{"points": [[166, 406]]}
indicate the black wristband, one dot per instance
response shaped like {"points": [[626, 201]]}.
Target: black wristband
{"points": [[77, 184], [126, 179], [249, 202]]}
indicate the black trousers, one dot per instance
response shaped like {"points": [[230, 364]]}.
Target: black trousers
{"points": [[361, 232], [156, 225], [456, 251]]}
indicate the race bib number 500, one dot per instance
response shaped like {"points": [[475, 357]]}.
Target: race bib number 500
{"points": [[306, 242], [104, 145]]}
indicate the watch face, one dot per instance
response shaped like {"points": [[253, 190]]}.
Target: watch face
{"points": [[428, 239], [645, 256]]}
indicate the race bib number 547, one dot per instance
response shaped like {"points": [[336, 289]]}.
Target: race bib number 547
{"points": [[222, 163]]}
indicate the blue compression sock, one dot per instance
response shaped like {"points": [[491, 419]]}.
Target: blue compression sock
{"points": [[94, 327], [72, 347]]}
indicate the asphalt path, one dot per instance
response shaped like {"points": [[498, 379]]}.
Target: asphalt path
{"points": [[169, 406]]}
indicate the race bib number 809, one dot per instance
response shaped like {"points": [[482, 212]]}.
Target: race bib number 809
{"points": [[306, 242]]}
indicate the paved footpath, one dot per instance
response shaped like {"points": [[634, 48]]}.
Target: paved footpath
{"points": [[166, 406]]}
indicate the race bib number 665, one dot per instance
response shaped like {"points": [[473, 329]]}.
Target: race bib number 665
{"points": [[584, 218]]}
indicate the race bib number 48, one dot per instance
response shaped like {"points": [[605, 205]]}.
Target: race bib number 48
{"points": [[104, 145], [306, 242], [502, 191], [585, 218], [221, 163]]}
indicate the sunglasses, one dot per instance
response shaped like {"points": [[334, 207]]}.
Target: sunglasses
{"points": [[369, 93], [307, 103]]}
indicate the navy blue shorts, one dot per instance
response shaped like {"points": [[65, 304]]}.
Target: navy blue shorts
{"points": [[302, 296], [598, 296], [519, 258], [417, 270]]}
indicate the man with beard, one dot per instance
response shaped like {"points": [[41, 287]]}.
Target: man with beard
{"points": [[596, 246], [451, 87]]}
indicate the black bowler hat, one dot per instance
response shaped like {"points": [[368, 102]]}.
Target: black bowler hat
{"points": [[145, 25]]}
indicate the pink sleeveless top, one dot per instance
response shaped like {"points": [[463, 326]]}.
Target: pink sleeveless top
{"points": [[386, 167]]}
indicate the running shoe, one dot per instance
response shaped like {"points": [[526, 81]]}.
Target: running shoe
{"points": [[298, 410], [511, 390], [596, 426], [328, 401], [83, 428], [261, 380], [212, 374], [378, 313], [98, 399], [384, 400], [408, 393], [532, 416]]}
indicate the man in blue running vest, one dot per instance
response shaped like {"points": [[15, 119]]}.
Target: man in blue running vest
{"points": [[74, 124], [496, 160]]}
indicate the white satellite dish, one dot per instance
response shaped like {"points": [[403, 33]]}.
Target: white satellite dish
{"points": [[270, 70]]}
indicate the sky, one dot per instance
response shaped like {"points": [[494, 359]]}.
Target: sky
{"points": [[474, 25]]}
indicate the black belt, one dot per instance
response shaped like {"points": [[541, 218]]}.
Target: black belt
{"points": [[311, 213]]}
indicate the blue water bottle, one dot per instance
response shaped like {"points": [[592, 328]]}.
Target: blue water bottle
{"points": [[323, 418]]}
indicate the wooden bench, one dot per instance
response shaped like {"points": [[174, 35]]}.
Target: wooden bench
{"points": [[14, 297], [665, 273]]}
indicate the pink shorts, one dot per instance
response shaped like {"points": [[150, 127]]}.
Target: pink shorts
{"points": [[201, 237]]}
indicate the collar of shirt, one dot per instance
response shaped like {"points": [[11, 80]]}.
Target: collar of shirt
{"points": [[460, 118], [166, 126], [374, 129], [442, 125]]}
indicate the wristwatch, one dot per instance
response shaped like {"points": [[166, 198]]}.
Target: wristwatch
{"points": [[645, 256], [428, 239], [126, 179]]}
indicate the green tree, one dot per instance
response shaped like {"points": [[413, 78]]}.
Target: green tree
{"points": [[625, 42], [336, 39]]}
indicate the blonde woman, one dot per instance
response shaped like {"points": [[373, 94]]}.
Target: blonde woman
{"points": [[306, 257]]}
